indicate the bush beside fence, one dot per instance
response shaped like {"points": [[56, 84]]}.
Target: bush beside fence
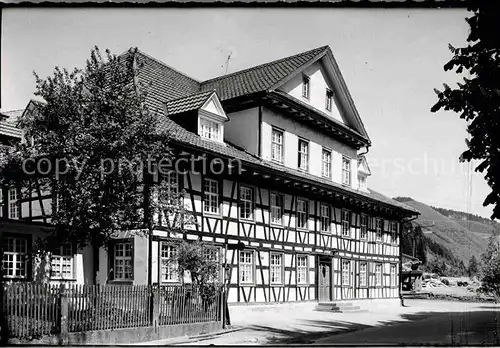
{"points": [[35, 310]]}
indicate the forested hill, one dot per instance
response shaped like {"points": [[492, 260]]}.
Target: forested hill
{"points": [[448, 236]]}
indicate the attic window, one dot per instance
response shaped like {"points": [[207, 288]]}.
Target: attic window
{"points": [[329, 100], [305, 86], [209, 129]]}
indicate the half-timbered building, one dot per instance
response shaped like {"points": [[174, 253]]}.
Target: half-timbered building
{"points": [[275, 158]]}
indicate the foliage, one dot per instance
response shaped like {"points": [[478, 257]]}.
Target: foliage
{"points": [[93, 120], [473, 267], [490, 269], [459, 215], [477, 98]]}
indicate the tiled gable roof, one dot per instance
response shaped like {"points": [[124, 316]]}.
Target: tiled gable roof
{"points": [[162, 82], [259, 78], [191, 102]]}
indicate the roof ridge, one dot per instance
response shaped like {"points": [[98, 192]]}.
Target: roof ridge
{"points": [[167, 66], [264, 64]]}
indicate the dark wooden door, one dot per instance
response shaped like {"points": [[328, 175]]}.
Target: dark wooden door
{"points": [[324, 282]]}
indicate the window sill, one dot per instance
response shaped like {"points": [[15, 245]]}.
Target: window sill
{"points": [[247, 284], [277, 285], [63, 279], [276, 224], [121, 281], [303, 229], [210, 214], [248, 221]]}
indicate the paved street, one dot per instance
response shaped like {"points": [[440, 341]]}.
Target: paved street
{"points": [[422, 321]]}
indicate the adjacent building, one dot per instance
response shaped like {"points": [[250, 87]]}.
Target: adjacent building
{"points": [[293, 189]]}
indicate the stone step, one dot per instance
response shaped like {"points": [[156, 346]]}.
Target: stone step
{"points": [[338, 307]]}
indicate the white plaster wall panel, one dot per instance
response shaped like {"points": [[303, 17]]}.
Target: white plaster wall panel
{"points": [[242, 129], [318, 82], [154, 256]]}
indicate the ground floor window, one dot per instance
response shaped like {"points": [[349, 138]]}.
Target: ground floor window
{"points": [[302, 270], [169, 264], [14, 260], [276, 269], [393, 275], [61, 262], [122, 263], [212, 254], [378, 274], [346, 272], [363, 274], [246, 267]]}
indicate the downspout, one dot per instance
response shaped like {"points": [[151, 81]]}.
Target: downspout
{"points": [[400, 287], [259, 145]]}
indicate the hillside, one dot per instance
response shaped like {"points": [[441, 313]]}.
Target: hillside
{"points": [[447, 236]]}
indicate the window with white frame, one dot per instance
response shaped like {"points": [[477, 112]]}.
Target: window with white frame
{"points": [[328, 99], [363, 274], [246, 266], [394, 232], [277, 145], [393, 275], [346, 170], [326, 163], [212, 254], [378, 229], [346, 223], [276, 269], [246, 203], [346, 272], [14, 259], [210, 196], [363, 231], [303, 159], [276, 208], [325, 217], [302, 208], [168, 192], [123, 261], [302, 270], [13, 204], [210, 129], [362, 182], [378, 274], [305, 86], [169, 264], [61, 262]]}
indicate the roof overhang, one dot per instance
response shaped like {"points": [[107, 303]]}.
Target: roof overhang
{"points": [[307, 114]]}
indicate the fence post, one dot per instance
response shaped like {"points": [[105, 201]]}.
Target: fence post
{"points": [[64, 308], [155, 307]]}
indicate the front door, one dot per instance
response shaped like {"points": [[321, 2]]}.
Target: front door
{"points": [[324, 282]]}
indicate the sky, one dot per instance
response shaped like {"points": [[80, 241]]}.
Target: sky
{"points": [[391, 60]]}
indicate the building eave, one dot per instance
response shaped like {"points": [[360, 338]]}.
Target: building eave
{"points": [[307, 114]]}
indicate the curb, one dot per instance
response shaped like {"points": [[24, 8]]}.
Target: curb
{"points": [[214, 334], [189, 339]]}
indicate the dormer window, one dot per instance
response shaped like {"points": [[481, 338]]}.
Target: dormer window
{"points": [[328, 100], [210, 129], [305, 86]]}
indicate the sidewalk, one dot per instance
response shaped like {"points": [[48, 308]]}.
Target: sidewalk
{"points": [[299, 323]]}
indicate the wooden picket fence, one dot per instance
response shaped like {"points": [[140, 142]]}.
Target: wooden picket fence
{"points": [[179, 305], [36, 310], [31, 310], [95, 307]]}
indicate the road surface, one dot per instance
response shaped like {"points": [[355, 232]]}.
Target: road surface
{"points": [[454, 328]]}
